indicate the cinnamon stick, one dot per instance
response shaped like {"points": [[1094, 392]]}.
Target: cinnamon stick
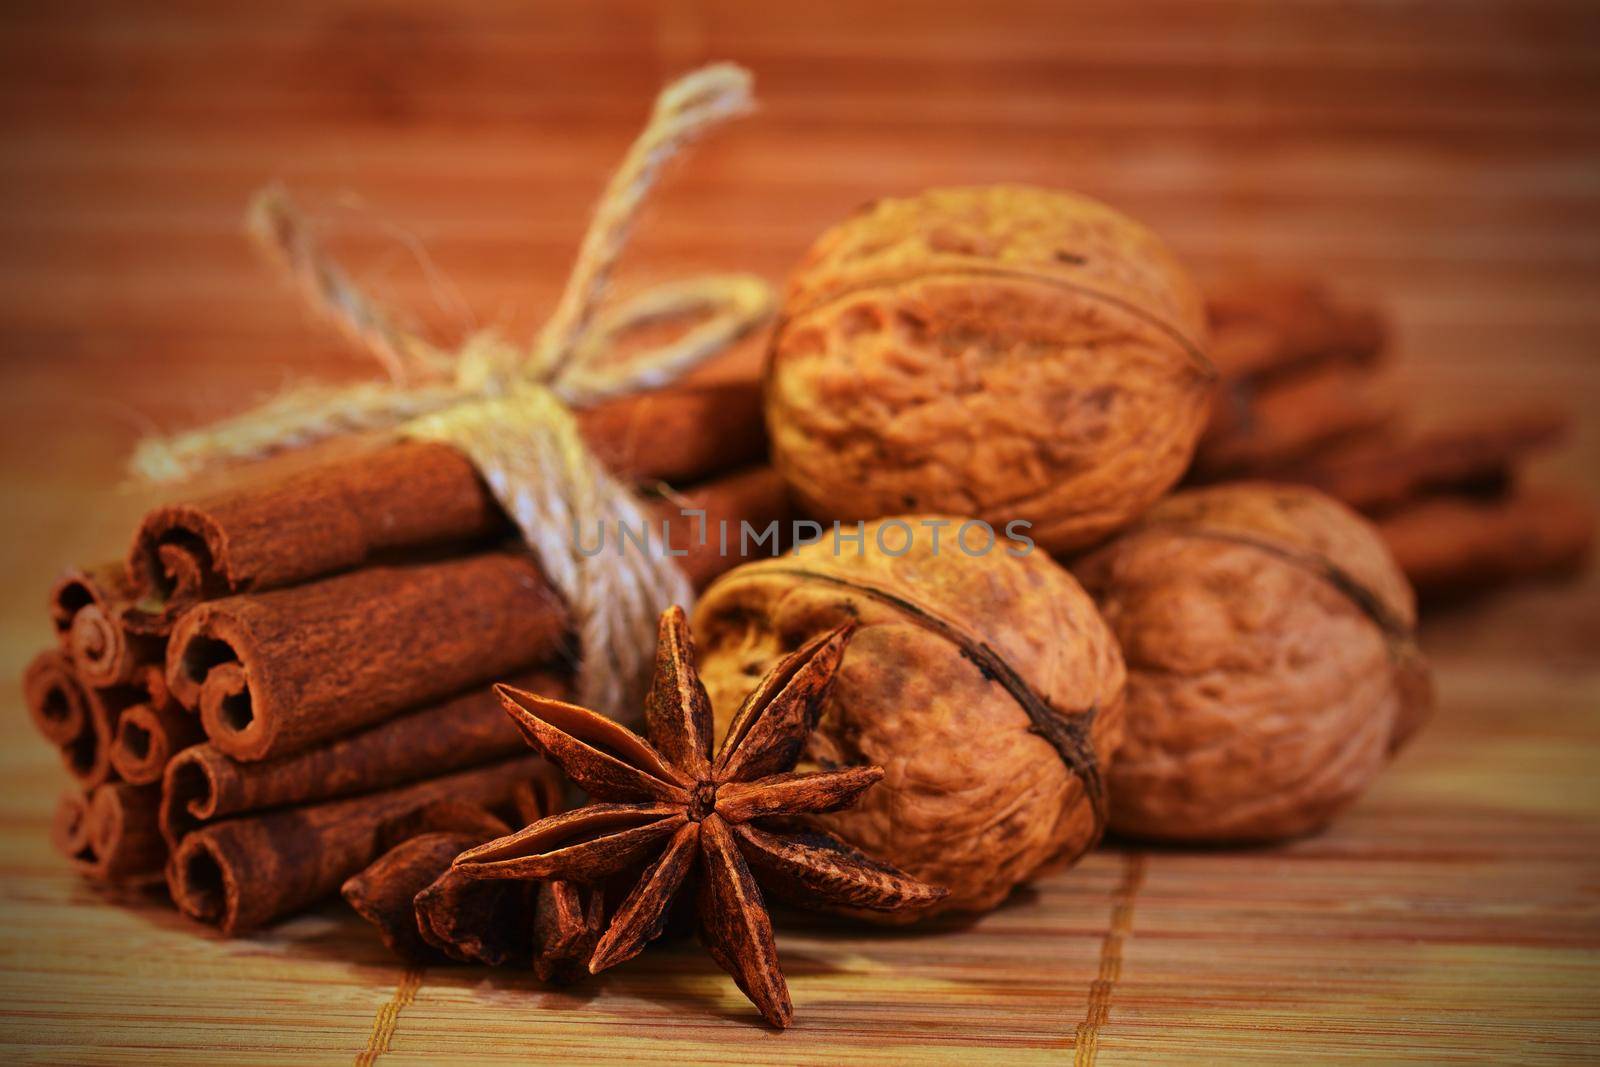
{"points": [[124, 843], [1256, 429], [82, 587], [148, 736], [1261, 327], [242, 873], [467, 730], [277, 672], [452, 817], [78, 719], [1373, 475], [69, 827], [411, 494], [55, 698], [1449, 545], [108, 635]]}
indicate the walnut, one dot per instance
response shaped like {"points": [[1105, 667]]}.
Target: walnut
{"points": [[1271, 665], [986, 686], [1002, 352]]}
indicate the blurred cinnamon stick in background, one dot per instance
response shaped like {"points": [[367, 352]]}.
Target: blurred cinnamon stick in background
{"points": [[1302, 399], [123, 841], [1451, 545]]}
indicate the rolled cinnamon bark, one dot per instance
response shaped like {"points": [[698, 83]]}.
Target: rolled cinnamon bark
{"points": [[467, 730], [451, 817], [124, 843], [1260, 327], [80, 587], [108, 648], [148, 736], [55, 698], [108, 635], [411, 494], [79, 720], [1257, 429], [1450, 545], [1374, 475], [69, 827], [88, 757], [277, 672], [242, 873]]}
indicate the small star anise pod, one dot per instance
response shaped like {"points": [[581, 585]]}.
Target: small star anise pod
{"points": [[701, 816]]}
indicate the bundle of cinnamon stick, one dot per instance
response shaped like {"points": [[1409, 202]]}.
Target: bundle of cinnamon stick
{"points": [[1303, 397], [286, 683]]}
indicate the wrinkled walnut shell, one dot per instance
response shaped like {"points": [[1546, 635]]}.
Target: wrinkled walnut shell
{"points": [[950, 653], [1271, 666], [1003, 352]]}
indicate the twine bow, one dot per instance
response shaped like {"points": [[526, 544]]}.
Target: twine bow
{"points": [[510, 410]]}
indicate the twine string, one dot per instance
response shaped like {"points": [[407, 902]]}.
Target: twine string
{"points": [[510, 411]]}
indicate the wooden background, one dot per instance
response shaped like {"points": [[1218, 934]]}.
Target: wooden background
{"points": [[1444, 156]]}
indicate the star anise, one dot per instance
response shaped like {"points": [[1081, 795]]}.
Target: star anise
{"points": [[703, 817]]}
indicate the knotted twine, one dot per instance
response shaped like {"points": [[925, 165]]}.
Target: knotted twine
{"points": [[510, 411]]}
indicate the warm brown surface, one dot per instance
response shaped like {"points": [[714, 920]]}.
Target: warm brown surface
{"points": [[1445, 156]]}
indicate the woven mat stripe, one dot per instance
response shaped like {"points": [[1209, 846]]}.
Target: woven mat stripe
{"points": [[1101, 989], [388, 1017]]}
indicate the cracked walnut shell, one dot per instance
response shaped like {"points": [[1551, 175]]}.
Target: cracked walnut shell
{"points": [[987, 687], [1271, 665], [1004, 352]]}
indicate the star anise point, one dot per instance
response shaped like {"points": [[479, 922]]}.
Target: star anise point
{"points": [[698, 812]]}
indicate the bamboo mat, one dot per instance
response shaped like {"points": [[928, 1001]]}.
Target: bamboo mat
{"points": [[1444, 155], [1454, 914]]}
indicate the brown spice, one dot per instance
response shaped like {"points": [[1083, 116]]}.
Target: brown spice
{"points": [[82, 721], [407, 495], [242, 873], [150, 732], [273, 673], [987, 687], [1451, 545], [697, 812], [1003, 352], [418, 848], [69, 827], [385, 893], [103, 586], [124, 844], [88, 758], [1382, 472], [500, 922], [56, 700], [470, 921], [109, 636], [278, 672], [467, 730], [1262, 327], [1261, 427]]}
